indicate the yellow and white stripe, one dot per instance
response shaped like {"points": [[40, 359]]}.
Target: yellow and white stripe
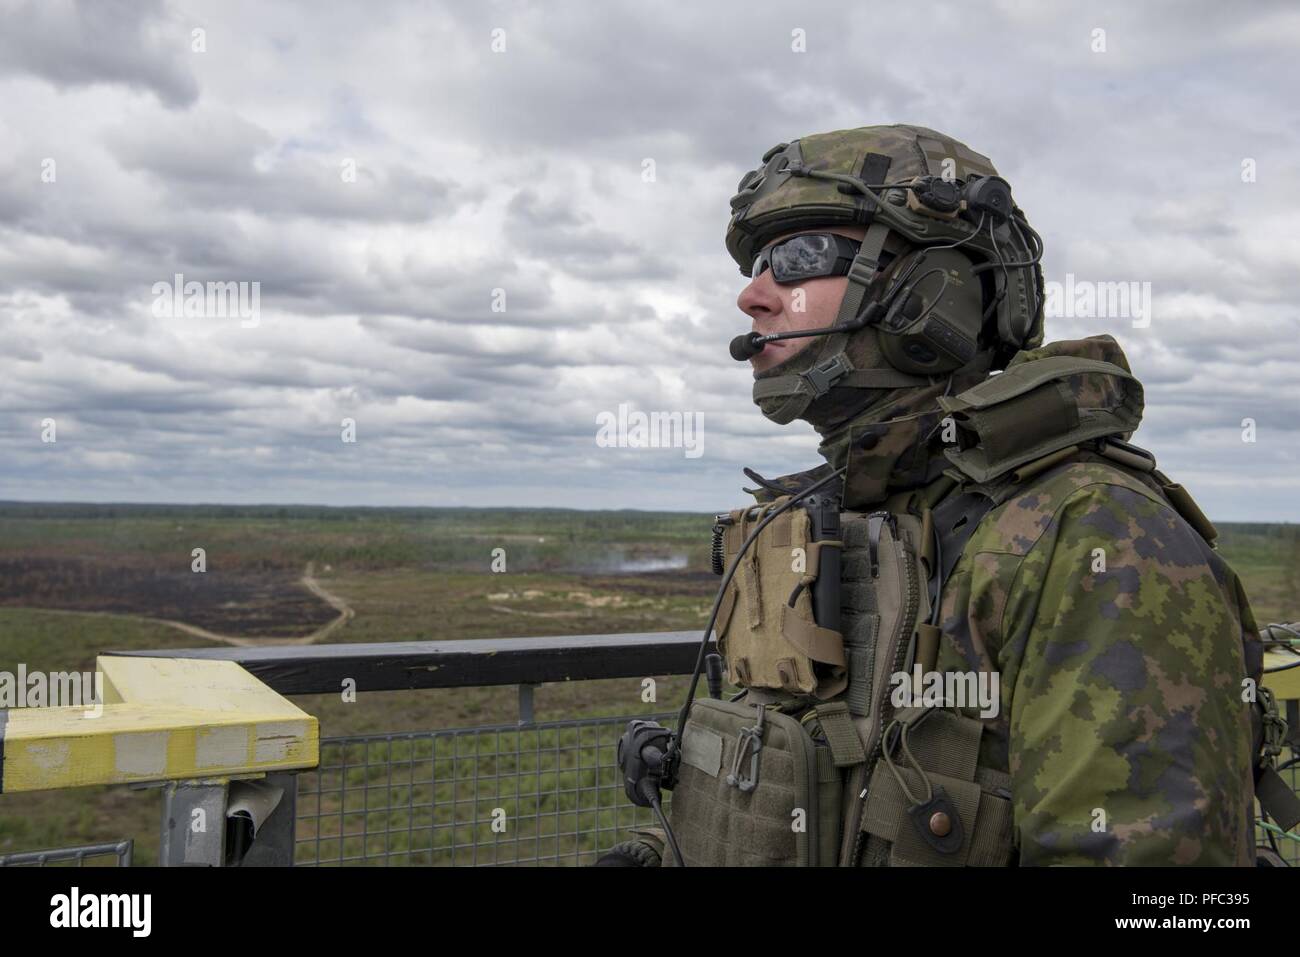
{"points": [[162, 719]]}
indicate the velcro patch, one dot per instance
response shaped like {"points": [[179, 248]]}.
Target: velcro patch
{"points": [[702, 748]]}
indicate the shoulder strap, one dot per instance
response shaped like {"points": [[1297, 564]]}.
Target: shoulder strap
{"points": [[955, 520]]}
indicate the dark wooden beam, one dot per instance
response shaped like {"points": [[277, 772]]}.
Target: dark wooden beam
{"points": [[393, 666]]}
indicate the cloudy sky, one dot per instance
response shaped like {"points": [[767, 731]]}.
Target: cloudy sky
{"points": [[393, 174]]}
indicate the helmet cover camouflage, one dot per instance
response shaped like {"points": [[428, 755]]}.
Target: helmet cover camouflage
{"points": [[770, 201]]}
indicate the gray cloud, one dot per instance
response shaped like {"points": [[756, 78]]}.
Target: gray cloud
{"points": [[211, 160], [553, 231], [71, 43], [522, 171]]}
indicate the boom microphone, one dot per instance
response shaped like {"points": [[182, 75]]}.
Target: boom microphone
{"points": [[743, 348]]}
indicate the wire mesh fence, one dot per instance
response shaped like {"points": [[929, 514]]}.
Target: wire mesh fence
{"points": [[543, 794], [1288, 845], [112, 854]]}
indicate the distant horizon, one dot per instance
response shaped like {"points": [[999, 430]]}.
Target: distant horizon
{"points": [[502, 508], [514, 508]]}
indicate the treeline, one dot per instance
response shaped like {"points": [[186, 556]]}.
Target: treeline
{"points": [[561, 517]]}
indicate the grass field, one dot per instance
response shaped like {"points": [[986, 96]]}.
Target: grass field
{"points": [[405, 574]]}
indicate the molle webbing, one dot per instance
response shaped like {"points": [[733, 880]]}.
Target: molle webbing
{"points": [[837, 725], [882, 595], [786, 776], [771, 647], [859, 617]]}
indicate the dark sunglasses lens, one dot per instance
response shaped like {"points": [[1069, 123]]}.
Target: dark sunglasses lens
{"points": [[803, 257]]}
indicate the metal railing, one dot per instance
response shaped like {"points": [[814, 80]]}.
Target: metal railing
{"points": [[112, 854], [526, 794], [531, 793]]}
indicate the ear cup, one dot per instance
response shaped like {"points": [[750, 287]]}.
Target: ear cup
{"points": [[1019, 308], [932, 326]]}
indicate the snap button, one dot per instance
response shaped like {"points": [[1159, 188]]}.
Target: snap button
{"points": [[940, 824]]}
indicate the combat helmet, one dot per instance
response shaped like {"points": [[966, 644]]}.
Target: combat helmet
{"points": [[968, 293]]}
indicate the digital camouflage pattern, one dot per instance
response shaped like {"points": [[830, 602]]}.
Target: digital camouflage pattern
{"points": [[1121, 689], [1122, 722], [768, 203], [1121, 686]]}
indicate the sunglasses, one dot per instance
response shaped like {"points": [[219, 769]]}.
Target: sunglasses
{"points": [[807, 256]]}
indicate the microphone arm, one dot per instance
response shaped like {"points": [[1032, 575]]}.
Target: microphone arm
{"points": [[745, 347]]}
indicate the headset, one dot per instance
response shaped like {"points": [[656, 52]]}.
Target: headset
{"points": [[932, 324]]}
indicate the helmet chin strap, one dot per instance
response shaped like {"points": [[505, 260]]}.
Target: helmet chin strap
{"points": [[784, 395]]}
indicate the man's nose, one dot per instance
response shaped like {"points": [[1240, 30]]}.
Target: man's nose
{"points": [[760, 299]]}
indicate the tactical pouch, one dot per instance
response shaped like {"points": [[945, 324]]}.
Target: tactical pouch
{"points": [[1038, 407], [752, 791], [929, 804], [766, 629]]}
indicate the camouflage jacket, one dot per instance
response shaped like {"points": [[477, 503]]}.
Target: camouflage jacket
{"points": [[1121, 639]]}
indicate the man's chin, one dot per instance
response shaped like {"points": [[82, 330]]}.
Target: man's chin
{"points": [[772, 358]]}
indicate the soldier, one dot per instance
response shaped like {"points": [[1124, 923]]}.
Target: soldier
{"points": [[1049, 557]]}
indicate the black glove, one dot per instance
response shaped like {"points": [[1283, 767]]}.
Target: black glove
{"points": [[637, 853]]}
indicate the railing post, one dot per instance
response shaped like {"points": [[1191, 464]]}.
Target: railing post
{"points": [[193, 823], [526, 718], [223, 823]]}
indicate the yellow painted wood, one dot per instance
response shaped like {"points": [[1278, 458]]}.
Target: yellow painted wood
{"points": [[163, 719], [1285, 684]]}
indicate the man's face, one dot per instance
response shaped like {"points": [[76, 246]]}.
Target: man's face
{"points": [[811, 304]]}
